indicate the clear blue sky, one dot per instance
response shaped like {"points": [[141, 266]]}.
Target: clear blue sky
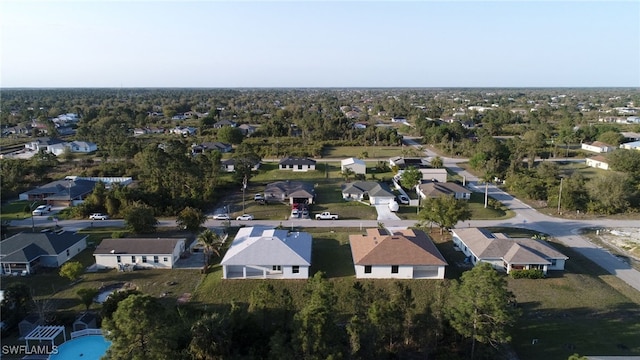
{"points": [[320, 44]]}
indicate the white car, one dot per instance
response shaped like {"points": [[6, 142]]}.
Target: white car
{"points": [[245, 217], [403, 199], [98, 216], [41, 210], [221, 217]]}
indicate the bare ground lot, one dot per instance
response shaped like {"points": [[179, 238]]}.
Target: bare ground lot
{"points": [[622, 242]]}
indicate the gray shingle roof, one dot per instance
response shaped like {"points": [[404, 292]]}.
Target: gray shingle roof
{"points": [[373, 188], [297, 161], [27, 246], [137, 246]]}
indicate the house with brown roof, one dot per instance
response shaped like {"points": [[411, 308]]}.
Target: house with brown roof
{"points": [[505, 253], [400, 254], [597, 147], [155, 253]]}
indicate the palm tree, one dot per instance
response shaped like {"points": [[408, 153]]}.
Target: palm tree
{"points": [[347, 173], [437, 162], [212, 243]]}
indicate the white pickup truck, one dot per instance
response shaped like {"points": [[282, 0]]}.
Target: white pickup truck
{"points": [[326, 216]]}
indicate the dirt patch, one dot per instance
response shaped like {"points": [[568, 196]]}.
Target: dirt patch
{"points": [[626, 241]]}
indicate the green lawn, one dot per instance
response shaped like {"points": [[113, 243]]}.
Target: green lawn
{"points": [[15, 210]]}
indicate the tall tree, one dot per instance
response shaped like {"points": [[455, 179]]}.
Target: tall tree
{"points": [[139, 218], [211, 337], [316, 327], [445, 211], [481, 307], [410, 177], [138, 330], [191, 219]]}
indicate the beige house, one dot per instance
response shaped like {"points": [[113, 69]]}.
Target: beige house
{"points": [[505, 253], [598, 147], [358, 166], [436, 189], [598, 162], [402, 254]]}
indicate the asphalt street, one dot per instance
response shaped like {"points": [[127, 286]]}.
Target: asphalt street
{"points": [[564, 230]]}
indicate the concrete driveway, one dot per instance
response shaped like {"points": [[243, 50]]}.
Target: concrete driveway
{"points": [[385, 214]]}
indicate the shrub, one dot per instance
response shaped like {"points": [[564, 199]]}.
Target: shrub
{"points": [[118, 234], [527, 274]]}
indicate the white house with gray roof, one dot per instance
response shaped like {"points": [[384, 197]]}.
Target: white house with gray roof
{"points": [[377, 193], [25, 252], [507, 254], [267, 253], [153, 253]]}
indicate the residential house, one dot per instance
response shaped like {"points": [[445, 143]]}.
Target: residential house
{"points": [[360, 125], [399, 119], [634, 145], [183, 130], [402, 162], [25, 252], [598, 162], [260, 252], [223, 123], [209, 146], [356, 165], [229, 165], [598, 147], [83, 146], [71, 189], [29, 323], [505, 253], [436, 189], [377, 193], [293, 192], [247, 130], [401, 254], [153, 253], [432, 174], [42, 143], [297, 164]]}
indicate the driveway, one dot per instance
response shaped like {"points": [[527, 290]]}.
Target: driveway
{"points": [[385, 214]]}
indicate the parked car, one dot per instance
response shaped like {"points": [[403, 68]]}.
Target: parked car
{"points": [[221, 217], [326, 216], [295, 213], [258, 197], [41, 210], [305, 213], [98, 216], [402, 199], [245, 217]]}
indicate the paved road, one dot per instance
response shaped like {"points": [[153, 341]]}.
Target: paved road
{"points": [[565, 230]]}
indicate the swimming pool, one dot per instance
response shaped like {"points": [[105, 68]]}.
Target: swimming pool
{"points": [[90, 347]]}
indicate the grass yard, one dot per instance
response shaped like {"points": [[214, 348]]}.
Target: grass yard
{"points": [[373, 152], [581, 310], [15, 211]]}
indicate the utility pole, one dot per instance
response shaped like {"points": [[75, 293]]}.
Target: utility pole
{"points": [[244, 187], [486, 194], [560, 195]]}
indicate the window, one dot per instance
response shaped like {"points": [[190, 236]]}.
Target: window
{"points": [[165, 259], [299, 167], [553, 262], [68, 252], [133, 259], [277, 268], [295, 269], [155, 259], [367, 269], [118, 259], [144, 259], [394, 269]]}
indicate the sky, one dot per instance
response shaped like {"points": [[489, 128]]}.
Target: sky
{"points": [[224, 44]]}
